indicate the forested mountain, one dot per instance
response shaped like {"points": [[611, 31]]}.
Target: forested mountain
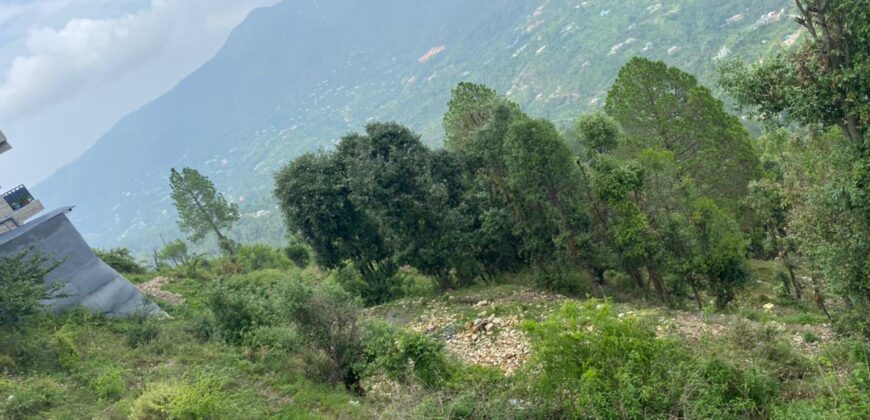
{"points": [[294, 77]]}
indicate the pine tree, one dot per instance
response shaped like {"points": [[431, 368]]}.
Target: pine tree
{"points": [[201, 209]]}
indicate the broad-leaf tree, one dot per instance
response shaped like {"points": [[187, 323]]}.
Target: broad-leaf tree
{"points": [[822, 83]]}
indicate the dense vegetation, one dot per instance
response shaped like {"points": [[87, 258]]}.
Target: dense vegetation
{"points": [[730, 274], [289, 81]]}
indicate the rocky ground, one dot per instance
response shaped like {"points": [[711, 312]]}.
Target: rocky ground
{"points": [[486, 330], [154, 289]]}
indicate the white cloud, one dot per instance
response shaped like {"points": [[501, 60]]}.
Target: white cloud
{"points": [[11, 11], [60, 63]]}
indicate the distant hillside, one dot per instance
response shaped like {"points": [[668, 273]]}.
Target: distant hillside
{"points": [[294, 77]]}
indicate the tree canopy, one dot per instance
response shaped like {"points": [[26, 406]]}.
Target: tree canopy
{"points": [[201, 208]]}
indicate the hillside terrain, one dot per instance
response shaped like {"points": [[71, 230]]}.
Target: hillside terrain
{"points": [[771, 355], [294, 77], [636, 254]]}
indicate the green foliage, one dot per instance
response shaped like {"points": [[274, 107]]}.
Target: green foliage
{"points": [[663, 107], [597, 364], [400, 353], [121, 260], [242, 304], [298, 253], [175, 253], [142, 329], [470, 109], [201, 209], [543, 177], [261, 257], [380, 200], [720, 251], [22, 287], [822, 81], [598, 133], [107, 380], [28, 398], [203, 399], [327, 316]]}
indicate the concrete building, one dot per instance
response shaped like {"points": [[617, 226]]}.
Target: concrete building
{"points": [[85, 280], [16, 205]]}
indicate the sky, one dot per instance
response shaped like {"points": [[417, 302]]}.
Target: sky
{"points": [[70, 69]]}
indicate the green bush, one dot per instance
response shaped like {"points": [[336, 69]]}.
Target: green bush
{"points": [[23, 289], [596, 364], [202, 328], [121, 260], [29, 397], [283, 338], [328, 317], [107, 381], [204, 399], [27, 350], [376, 287], [855, 321], [299, 254], [142, 329], [484, 393], [240, 305], [261, 257], [399, 353], [66, 343]]}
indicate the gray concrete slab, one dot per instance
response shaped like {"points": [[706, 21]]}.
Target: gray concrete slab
{"points": [[86, 279]]}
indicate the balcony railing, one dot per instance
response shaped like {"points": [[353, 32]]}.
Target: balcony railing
{"points": [[18, 197]]}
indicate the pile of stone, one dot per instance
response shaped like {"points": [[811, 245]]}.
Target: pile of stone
{"points": [[492, 341], [154, 289]]}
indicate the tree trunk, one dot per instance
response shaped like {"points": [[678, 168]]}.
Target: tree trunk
{"points": [[798, 288], [638, 278], [658, 283], [818, 297], [697, 295]]}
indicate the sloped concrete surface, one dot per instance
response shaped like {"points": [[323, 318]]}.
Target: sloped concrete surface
{"points": [[87, 280]]}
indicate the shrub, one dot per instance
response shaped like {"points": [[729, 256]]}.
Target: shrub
{"points": [[27, 350], [23, 287], [174, 253], [239, 307], [299, 254], [376, 287], [854, 321], [28, 398], [596, 364], [399, 353], [121, 260], [142, 329], [106, 381], [261, 257], [765, 346], [278, 337], [328, 317], [202, 328], [69, 353], [204, 399]]}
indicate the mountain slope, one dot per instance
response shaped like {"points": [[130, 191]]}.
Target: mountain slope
{"points": [[294, 77]]}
